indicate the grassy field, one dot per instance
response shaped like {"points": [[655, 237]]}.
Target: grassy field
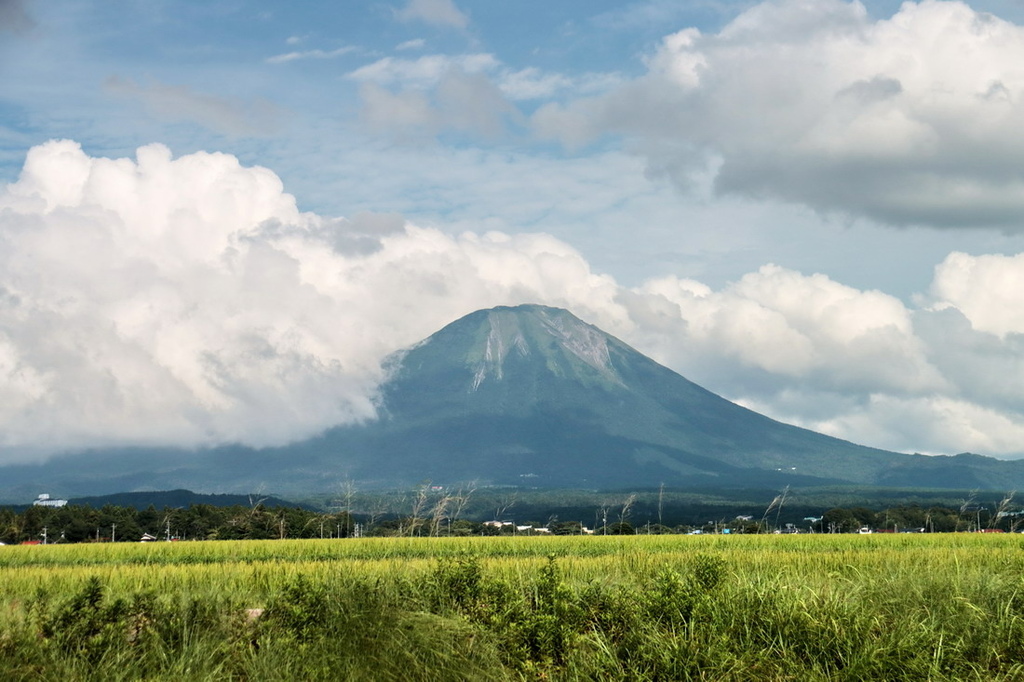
{"points": [[806, 607]]}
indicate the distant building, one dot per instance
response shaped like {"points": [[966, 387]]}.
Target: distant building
{"points": [[44, 500]]}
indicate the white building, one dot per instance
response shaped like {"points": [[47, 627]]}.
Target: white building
{"points": [[44, 500]]}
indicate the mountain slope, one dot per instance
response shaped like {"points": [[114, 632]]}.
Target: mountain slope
{"points": [[534, 394]]}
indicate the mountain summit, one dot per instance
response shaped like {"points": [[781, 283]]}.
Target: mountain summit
{"points": [[529, 395]]}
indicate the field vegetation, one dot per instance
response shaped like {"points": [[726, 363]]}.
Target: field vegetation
{"points": [[655, 607]]}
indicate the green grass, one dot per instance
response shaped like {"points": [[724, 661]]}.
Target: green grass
{"points": [[893, 607]]}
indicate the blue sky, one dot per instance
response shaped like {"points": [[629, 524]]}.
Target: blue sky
{"points": [[813, 208]]}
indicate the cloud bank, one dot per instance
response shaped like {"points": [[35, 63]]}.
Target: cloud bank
{"points": [[915, 119], [188, 301]]}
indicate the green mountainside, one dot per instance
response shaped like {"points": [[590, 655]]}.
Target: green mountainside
{"points": [[531, 395]]}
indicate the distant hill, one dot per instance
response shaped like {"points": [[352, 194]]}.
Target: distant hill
{"points": [[528, 396], [182, 498], [178, 499]]}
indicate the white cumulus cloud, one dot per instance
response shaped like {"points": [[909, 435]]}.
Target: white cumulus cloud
{"points": [[188, 301], [808, 328], [988, 290], [914, 119]]}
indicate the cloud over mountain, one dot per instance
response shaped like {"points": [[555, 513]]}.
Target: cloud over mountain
{"points": [[188, 301]]}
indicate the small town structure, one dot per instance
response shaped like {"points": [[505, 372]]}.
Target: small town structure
{"points": [[44, 500]]}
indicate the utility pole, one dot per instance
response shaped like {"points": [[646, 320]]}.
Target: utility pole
{"points": [[113, 529]]}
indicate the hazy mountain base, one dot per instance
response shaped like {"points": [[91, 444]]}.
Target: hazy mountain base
{"points": [[245, 471]]}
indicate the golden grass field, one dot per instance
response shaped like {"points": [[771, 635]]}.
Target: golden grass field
{"points": [[904, 606]]}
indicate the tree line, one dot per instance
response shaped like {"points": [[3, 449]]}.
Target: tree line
{"points": [[423, 517], [111, 523]]}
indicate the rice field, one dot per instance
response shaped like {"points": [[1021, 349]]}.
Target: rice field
{"points": [[754, 607]]}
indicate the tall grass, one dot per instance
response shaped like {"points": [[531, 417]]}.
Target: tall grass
{"points": [[894, 607]]}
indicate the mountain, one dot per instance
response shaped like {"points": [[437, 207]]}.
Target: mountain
{"points": [[526, 396], [532, 395]]}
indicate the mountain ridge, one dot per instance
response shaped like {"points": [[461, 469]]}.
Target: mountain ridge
{"points": [[637, 399]]}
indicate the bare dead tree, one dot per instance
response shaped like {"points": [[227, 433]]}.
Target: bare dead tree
{"points": [[348, 491], [419, 505], [461, 499], [438, 514], [778, 512], [457, 503], [378, 508], [626, 506], [968, 503], [256, 500], [504, 504], [776, 504], [1004, 505]]}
